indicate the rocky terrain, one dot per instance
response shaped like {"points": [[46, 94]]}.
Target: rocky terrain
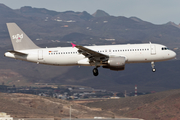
{"points": [[32, 106], [44, 25], [158, 106], [162, 106]]}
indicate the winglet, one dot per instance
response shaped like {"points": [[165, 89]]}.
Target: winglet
{"points": [[73, 45]]}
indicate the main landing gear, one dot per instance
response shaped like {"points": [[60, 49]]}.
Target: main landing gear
{"points": [[95, 72], [153, 67]]}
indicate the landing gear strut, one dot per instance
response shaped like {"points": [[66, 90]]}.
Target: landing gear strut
{"points": [[153, 67], [95, 72]]}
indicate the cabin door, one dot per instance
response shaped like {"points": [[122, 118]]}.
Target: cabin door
{"points": [[153, 49], [40, 54]]}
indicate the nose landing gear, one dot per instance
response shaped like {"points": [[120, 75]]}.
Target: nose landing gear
{"points": [[153, 67], [95, 72]]}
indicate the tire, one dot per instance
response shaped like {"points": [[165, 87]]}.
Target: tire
{"points": [[95, 72], [154, 70]]}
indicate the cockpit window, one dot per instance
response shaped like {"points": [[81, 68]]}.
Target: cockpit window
{"points": [[165, 48]]}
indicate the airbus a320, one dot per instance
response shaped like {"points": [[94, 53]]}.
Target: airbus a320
{"points": [[113, 57]]}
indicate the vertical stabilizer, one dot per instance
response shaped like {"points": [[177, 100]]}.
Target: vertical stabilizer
{"points": [[19, 39]]}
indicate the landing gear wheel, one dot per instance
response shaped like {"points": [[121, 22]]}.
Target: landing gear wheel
{"points": [[153, 67], [95, 72], [154, 70]]}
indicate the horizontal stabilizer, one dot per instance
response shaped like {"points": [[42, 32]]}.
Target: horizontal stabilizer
{"points": [[18, 53]]}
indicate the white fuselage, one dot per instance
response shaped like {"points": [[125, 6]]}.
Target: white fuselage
{"points": [[68, 56]]}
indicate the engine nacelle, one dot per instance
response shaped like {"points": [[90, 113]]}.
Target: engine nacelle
{"points": [[116, 63]]}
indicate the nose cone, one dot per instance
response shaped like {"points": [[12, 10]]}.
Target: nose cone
{"points": [[172, 54]]}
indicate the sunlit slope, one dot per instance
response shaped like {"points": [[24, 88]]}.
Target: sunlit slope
{"points": [[26, 105], [162, 105]]}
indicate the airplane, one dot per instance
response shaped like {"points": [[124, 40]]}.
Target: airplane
{"points": [[113, 57]]}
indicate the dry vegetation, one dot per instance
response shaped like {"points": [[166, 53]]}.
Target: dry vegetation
{"points": [[24, 105], [161, 106]]}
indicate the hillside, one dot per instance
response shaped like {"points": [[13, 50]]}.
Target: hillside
{"points": [[84, 28], [32, 106], [161, 106], [51, 28], [100, 13], [165, 78]]}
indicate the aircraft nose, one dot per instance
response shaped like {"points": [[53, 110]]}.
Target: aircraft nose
{"points": [[173, 54]]}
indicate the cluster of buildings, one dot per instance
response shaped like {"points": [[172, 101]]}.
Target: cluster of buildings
{"points": [[4, 116], [79, 93], [67, 92]]}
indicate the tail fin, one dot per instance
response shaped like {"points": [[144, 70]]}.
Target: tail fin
{"points": [[19, 39]]}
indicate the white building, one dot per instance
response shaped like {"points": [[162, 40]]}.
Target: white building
{"points": [[4, 116]]}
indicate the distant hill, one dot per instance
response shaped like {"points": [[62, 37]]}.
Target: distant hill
{"points": [[50, 28], [173, 24], [52, 25], [158, 106], [100, 13], [136, 19], [134, 74]]}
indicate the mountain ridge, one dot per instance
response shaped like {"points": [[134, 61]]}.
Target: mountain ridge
{"points": [[36, 22], [100, 13]]}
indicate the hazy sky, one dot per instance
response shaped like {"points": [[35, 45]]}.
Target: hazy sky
{"points": [[155, 11]]}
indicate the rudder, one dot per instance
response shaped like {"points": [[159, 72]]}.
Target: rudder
{"points": [[19, 39]]}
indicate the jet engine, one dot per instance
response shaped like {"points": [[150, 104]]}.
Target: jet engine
{"points": [[116, 63]]}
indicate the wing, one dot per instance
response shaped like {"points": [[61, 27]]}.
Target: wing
{"points": [[93, 56]]}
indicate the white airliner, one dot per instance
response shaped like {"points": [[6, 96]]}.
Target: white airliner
{"points": [[113, 57]]}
